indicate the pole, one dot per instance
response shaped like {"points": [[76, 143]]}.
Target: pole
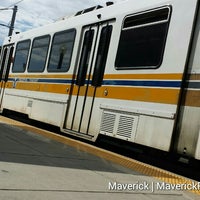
{"points": [[12, 21]]}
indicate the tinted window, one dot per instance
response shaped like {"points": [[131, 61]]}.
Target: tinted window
{"points": [[61, 51], [8, 64], [39, 54], [102, 54], [142, 40], [85, 57], [3, 62], [21, 56]]}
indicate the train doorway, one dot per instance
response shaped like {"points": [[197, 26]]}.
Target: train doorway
{"points": [[88, 78], [6, 61]]}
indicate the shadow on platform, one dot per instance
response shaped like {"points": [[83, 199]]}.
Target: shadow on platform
{"points": [[18, 145]]}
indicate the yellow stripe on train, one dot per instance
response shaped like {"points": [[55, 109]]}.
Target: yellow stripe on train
{"points": [[157, 95]]}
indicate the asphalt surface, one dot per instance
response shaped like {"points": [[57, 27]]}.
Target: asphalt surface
{"points": [[35, 167]]}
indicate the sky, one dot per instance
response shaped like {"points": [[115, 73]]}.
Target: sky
{"points": [[35, 13]]}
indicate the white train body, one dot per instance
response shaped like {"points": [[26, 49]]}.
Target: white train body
{"points": [[130, 70]]}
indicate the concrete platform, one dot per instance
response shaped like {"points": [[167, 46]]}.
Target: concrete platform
{"points": [[34, 167]]}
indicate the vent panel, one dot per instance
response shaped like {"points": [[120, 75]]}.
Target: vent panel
{"points": [[125, 126], [108, 122], [122, 125], [30, 103]]}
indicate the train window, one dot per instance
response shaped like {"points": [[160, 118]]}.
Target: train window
{"points": [[142, 40], [61, 51], [21, 56], [85, 57], [8, 64], [101, 56], [39, 54], [3, 62]]}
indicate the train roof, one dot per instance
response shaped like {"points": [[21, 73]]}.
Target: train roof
{"points": [[90, 16]]}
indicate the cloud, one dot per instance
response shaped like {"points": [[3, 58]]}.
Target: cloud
{"points": [[34, 13]]}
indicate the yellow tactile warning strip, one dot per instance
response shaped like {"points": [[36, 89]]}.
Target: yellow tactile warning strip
{"points": [[145, 169]]}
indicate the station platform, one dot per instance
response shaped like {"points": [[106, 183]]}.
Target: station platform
{"points": [[39, 165]]}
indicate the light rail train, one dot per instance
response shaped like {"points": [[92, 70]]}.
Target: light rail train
{"points": [[129, 70]]}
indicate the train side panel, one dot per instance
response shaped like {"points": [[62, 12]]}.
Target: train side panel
{"points": [[41, 95], [140, 105], [188, 137]]}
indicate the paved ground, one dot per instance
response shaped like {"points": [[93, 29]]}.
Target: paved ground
{"points": [[35, 167]]}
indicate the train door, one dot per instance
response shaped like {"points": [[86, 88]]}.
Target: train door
{"points": [[5, 68], [88, 79]]}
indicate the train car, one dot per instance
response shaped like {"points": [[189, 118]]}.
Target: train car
{"points": [[129, 70]]}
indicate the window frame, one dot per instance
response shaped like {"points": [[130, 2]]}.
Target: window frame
{"points": [[51, 50], [169, 7], [27, 58], [46, 58]]}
